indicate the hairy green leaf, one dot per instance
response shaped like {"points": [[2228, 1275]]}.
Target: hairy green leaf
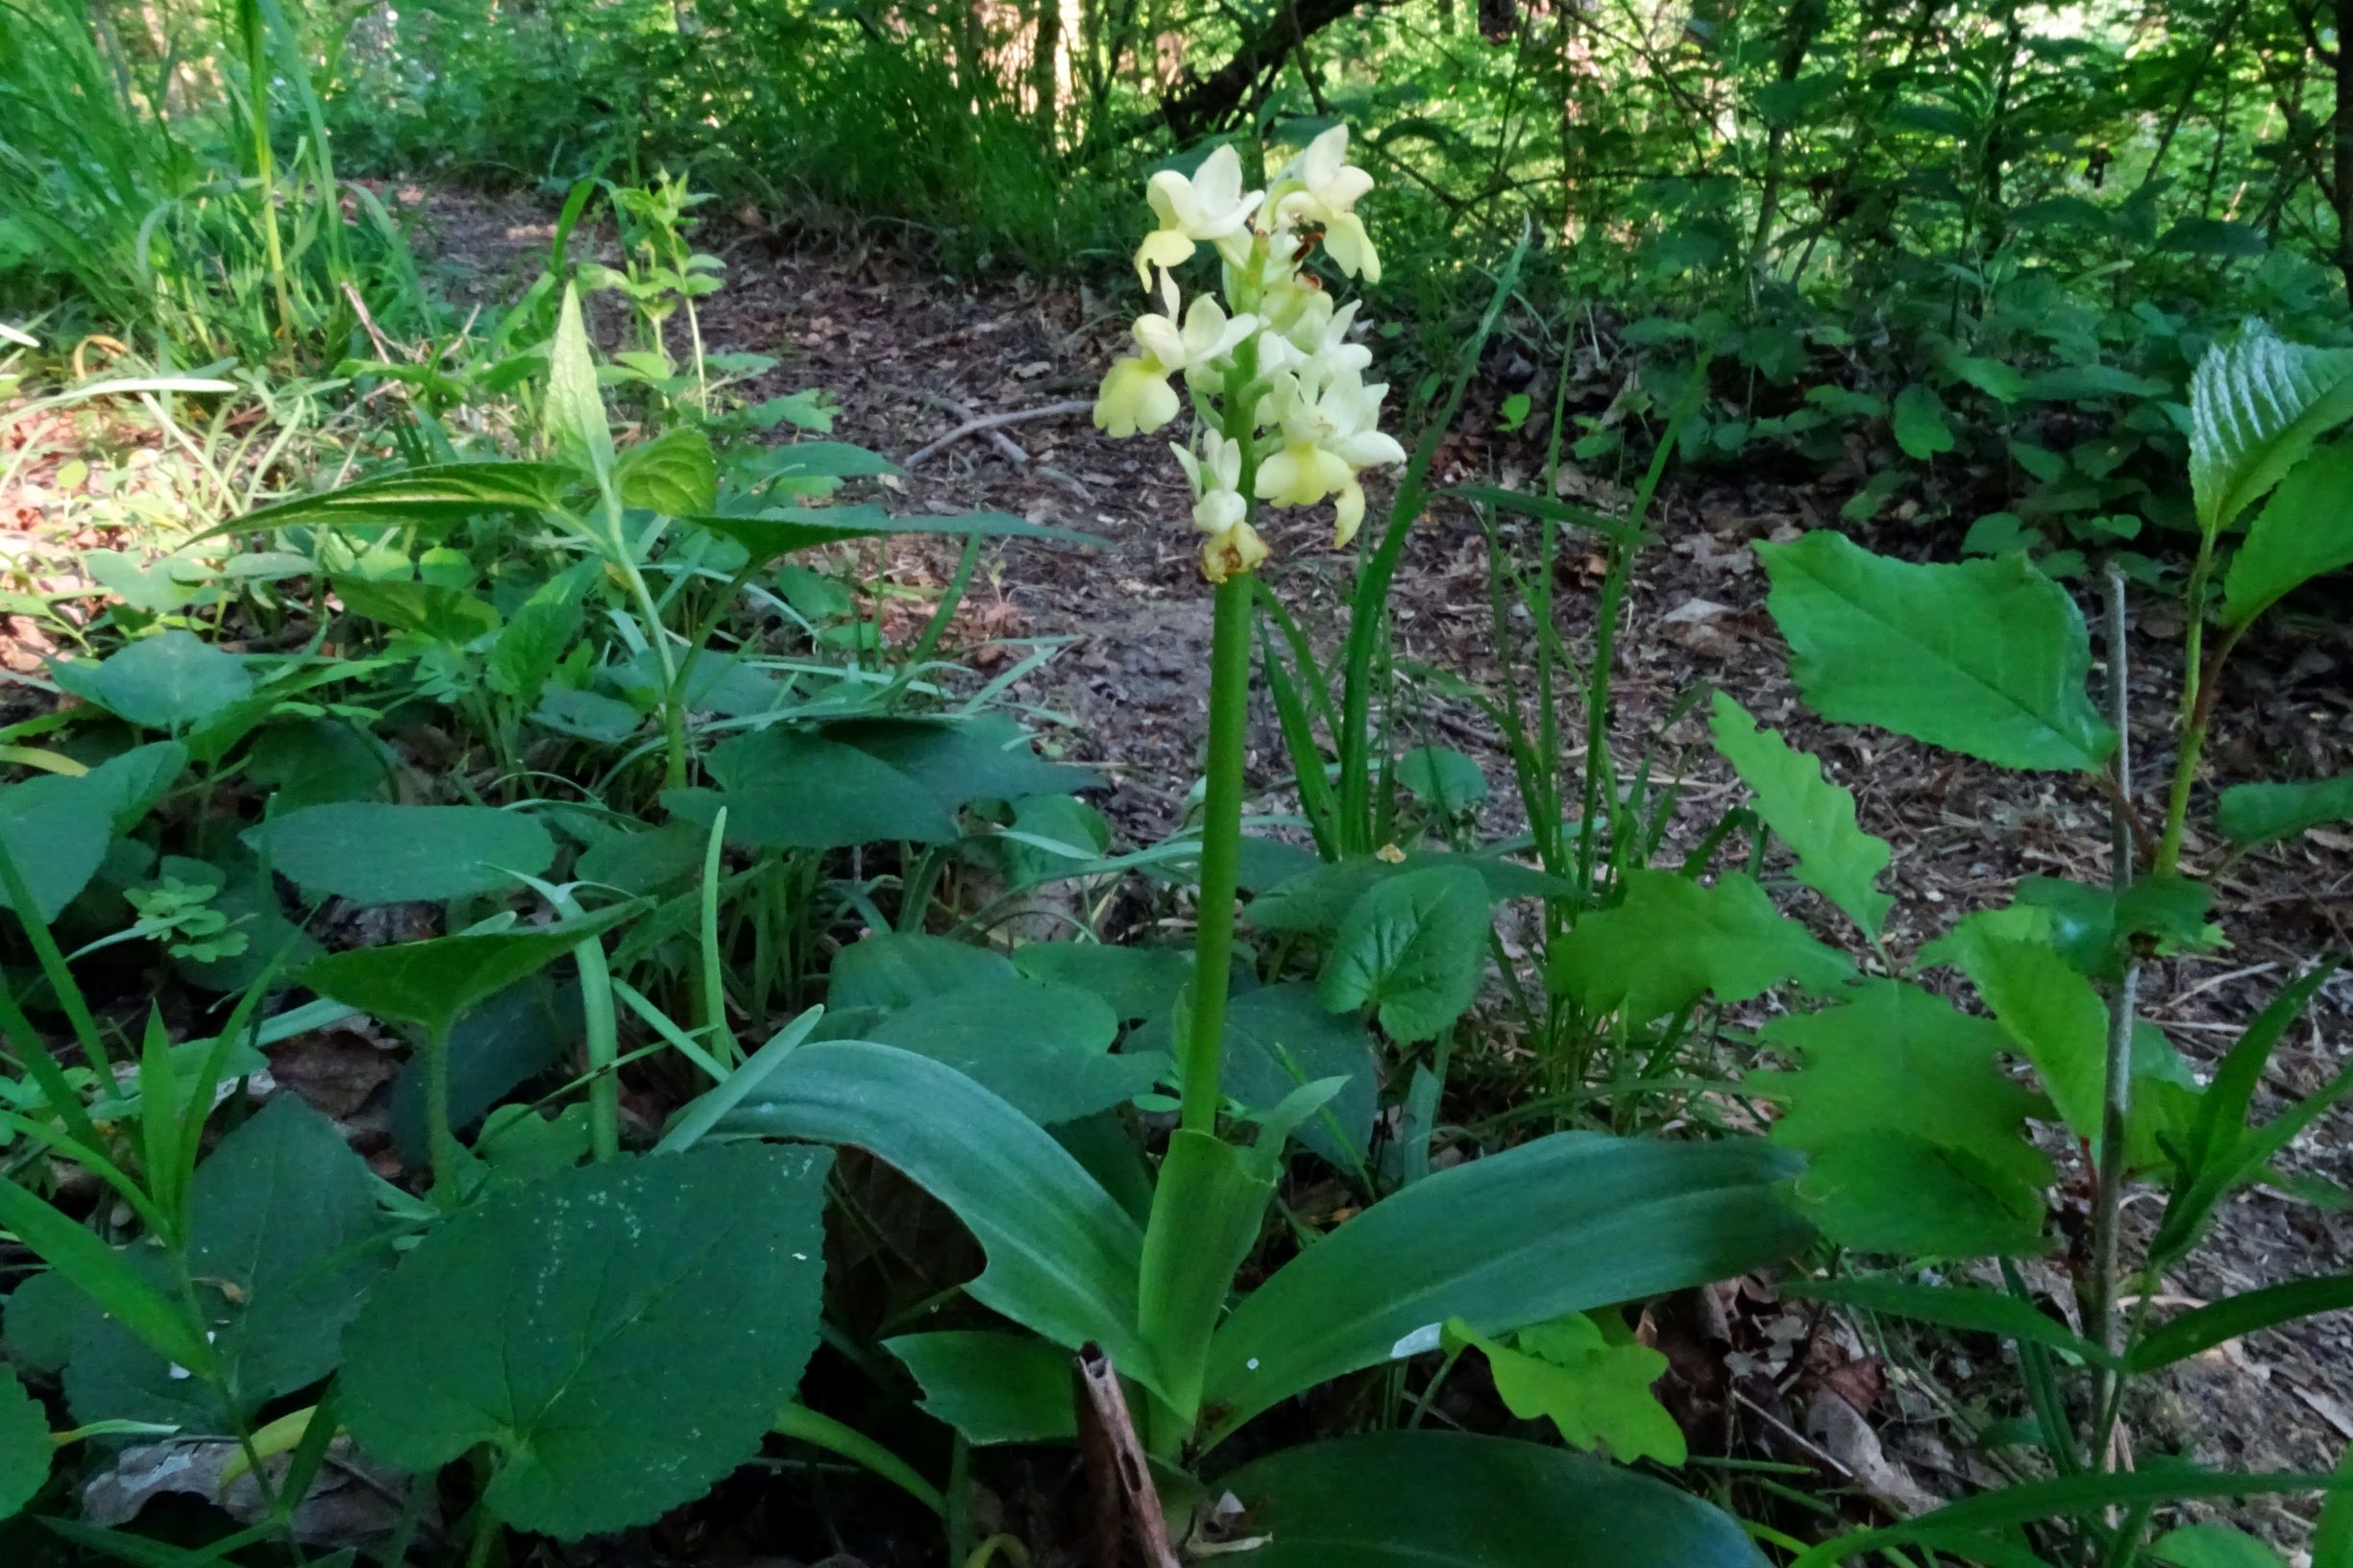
{"points": [[572, 414]]}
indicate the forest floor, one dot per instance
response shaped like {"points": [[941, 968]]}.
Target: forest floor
{"points": [[911, 356]]}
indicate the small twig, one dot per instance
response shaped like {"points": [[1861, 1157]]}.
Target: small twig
{"points": [[986, 423], [964, 410], [1115, 1466], [383, 350]]}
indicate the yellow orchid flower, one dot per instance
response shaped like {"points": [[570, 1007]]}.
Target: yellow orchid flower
{"points": [[1238, 549], [1135, 398], [1211, 204]]}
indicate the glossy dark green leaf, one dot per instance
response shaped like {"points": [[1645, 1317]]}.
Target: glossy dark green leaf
{"points": [[2304, 531], [622, 1335], [1044, 1049], [1986, 658], [993, 1388], [373, 852], [1454, 1500]]}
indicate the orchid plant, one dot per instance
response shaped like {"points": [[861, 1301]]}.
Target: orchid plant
{"points": [[1282, 416]]}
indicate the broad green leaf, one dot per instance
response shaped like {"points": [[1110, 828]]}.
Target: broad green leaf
{"points": [[2256, 408], [2214, 1545], [1811, 815], [24, 1445], [620, 1336], [897, 969], [497, 1046], [1920, 423], [993, 1388], [41, 1310], [1313, 900], [372, 853], [2050, 1009], [536, 637], [1135, 982], [2304, 531], [108, 1275], [2200, 1329], [437, 610], [172, 681], [867, 780], [2252, 814], [56, 831], [1457, 1500], [311, 762], [784, 530], [1062, 1254], [1969, 1308], [1208, 1203], [1044, 1049], [1413, 947], [1991, 377], [285, 1241], [674, 474], [657, 860], [1986, 657], [1564, 1224], [1673, 941], [1896, 1077], [432, 984], [573, 421], [1596, 1392], [436, 491], [1281, 1037], [1443, 780]]}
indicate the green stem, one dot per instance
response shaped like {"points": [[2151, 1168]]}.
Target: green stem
{"points": [[1221, 835], [805, 1425], [673, 696], [2194, 702]]}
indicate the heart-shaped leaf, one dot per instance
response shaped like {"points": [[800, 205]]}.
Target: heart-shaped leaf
{"points": [[1413, 946], [622, 1335], [172, 681], [432, 984], [370, 853]]}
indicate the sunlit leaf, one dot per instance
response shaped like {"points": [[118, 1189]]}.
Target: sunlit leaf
{"points": [[1811, 815]]}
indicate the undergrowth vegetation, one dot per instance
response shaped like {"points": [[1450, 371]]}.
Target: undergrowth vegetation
{"points": [[792, 1149]]}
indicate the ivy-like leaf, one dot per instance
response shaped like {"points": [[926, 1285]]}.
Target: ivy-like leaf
{"points": [[1595, 1392], [1413, 946], [1985, 657], [620, 1336], [1895, 1078], [1674, 940], [1811, 815]]}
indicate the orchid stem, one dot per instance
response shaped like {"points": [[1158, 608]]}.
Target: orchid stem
{"points": [[1222, 834]]}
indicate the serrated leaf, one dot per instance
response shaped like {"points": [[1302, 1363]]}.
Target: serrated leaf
{"points": [[1811, 815], [2304, 531], [1919, 423], [2050, 1010], [1673, 941], [781, 531], [1986, 657], [372, 853], [1897, 1079], [620, 1336], [1595, 1393], [674, 474], [433, 492], [1413, 947], [2252, 814], [572, 415], [25, 1449], [2256, 408]]}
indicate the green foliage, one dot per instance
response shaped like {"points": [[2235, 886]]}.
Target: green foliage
{"points": [[591, 1329], [1595, 1390], [1984, 657], [372, 853], [24, 1445], [1413, 947], [1673, 941], [1811, 815]]}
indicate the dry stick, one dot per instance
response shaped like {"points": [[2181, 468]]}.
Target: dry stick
{"points": [[993, 422], [2107, 1213], [965, 410], [1115, 1468]]}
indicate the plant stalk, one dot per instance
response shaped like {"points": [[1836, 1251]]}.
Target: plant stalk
{"points": [[2123, 992], [1222, 834]]}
